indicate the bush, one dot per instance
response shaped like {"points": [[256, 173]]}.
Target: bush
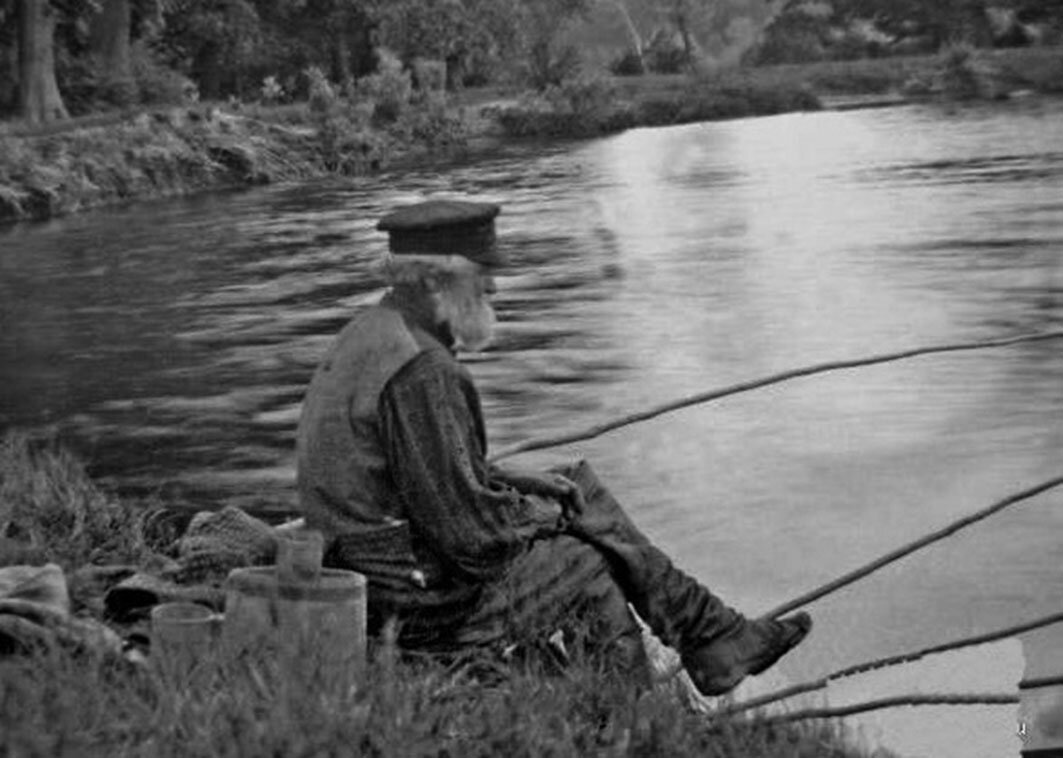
{"points": [[798, 35], [582, 107], [431, 124], [48, 502], [588, 96], [551, 64], [157, 84], [86, 88], [664, 55], [713, 99], [430, 76], [628, 64], [321, 99], [963, 76], [271, 91], [78, 80], [389, 88]]}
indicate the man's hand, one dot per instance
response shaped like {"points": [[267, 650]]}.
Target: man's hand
{"points": [[545, 484]]}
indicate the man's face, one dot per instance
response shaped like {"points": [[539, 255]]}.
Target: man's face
{"points": [[465, 306]]}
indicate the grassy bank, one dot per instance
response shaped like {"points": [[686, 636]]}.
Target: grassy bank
{"points": [[106, 160], [179, 151], [1039, 69], [55, 703], [597, 106], [259, 705], [115, 158]]}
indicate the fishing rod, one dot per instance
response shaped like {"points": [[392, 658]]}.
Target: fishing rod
{"points": [[905, 550], [597, 430], [910, 657]]}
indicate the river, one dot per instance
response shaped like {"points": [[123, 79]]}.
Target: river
{"points": [[169, 343]]}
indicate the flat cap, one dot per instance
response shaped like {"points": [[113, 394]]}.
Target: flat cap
{"points": [[445, 227]]}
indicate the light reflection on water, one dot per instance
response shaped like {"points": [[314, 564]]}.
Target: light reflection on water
{"points": [[172, 344]]}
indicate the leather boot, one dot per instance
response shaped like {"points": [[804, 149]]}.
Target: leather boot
{"points": [[754, 646]]}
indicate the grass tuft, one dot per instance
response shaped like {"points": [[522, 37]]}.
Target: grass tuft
{"points": [[49, 503], [300, 704]]}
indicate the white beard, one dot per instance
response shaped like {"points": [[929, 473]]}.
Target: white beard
{"points": [[471, 320]]}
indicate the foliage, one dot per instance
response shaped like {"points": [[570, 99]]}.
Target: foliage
{"points": [[271, 90], [809, 30], [592, 106], [48, 502], [390, 88], [465, 35], [588, 97], [722, 97], [228, 47], [628, 64], [172, 151], [157, 84], [300, 703], [432, 125], [664, 55], [661, 55], [322, 99], [964, 76], [430, 76], [548, 57], [213, 42], [799, 34]]}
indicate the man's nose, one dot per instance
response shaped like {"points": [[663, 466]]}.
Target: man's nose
{"points": [[489, 285]]}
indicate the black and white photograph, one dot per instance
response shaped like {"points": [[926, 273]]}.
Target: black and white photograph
{"points": [[531, 378]]}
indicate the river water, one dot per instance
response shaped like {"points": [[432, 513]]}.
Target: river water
{"points": [[170, 344]]}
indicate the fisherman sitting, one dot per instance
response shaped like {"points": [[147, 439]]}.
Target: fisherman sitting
{"points": [[392, 469]]}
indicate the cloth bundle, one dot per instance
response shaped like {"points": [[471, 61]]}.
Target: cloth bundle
{"points": [[35, 613]]}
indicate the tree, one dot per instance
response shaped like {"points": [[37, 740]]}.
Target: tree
{"points": [[679, 14], [940, 22], [633, 33], [110, 37], [424, 28], [8, 56], [547, 58], [704, 27], [212, 41], [39, 98], [472, 37], [333, 35]]}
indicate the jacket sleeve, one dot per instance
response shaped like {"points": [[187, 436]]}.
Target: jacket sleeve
{"points": [[433, 433]]}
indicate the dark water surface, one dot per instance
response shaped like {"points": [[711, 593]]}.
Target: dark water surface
{"points": [[171, 344]]}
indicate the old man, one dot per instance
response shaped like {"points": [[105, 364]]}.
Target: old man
{"points": [[392, 468]]}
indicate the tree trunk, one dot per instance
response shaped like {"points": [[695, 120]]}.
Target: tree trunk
{"points": [[39, 98], [206, 71], [684, 32], [9, 77], [342, 61], [633, 33], [974, 21], [110, 45]]}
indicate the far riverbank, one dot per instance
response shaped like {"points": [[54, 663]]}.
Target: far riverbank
{"points": [[117, 158]]}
